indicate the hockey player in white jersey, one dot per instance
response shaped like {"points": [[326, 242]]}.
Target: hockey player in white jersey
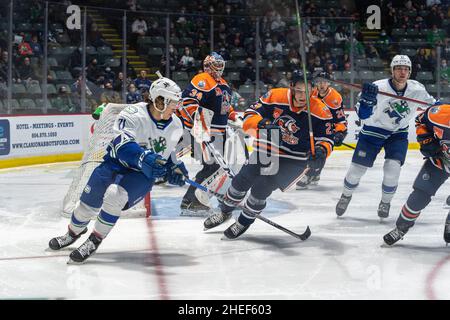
{"points": [[386, 122], [142, 150]]}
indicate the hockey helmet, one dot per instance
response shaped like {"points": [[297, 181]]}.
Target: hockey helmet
{"points": [[214, 64], [401, 60], [322, 76], [298, 76], [165, 88]]}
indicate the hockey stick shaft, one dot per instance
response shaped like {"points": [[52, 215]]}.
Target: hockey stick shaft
{"points": [[357, 86], [303, 56], [348, 146], [305, 235]]}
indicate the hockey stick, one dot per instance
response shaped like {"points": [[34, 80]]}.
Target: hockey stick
{"points": [[305, 235], [348, 146], [303, 56], [358, 86]]}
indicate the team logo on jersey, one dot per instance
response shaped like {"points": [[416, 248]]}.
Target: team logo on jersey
{"points": [[277, 112], [288, 128], [218, 91], [397, 110], [438, 132], [201, 84], [131, 109], [434, 110], [158, 145]]}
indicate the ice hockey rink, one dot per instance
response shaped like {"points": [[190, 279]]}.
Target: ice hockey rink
{"points": [[171, 257]]}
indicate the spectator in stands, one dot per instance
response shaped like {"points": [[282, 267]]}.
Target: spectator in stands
{"points": [[372, 52], [435, 36], [24, 48], [154, 30], [317, 66], [142, 83], [25, 71], [173, 59], [224, 53], [108, 91], [95, 38], [93, 71], [4, 63], [248, 73], [235, 96], [138, 29], [383, 44], [421, 61], [118, 82], [109, 75], [277, 24], [274, 49], [270, 74], [36, 46], [64, 102], [186, 62], [285, 80], [324, 27], [133, 96], [340, 37], [293, 59]]}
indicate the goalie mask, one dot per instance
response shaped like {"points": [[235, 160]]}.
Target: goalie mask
{"points": [[167, 89], [214, 65]]}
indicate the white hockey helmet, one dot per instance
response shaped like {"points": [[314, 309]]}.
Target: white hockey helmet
{"points": [[165, 88], [401, 60]]}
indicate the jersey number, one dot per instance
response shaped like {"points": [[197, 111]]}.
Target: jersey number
{"points": [[329, 129], [198, 95], [121, 123]]}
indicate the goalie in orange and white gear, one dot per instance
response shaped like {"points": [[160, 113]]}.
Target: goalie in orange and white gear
{"points": [[207, 90]]}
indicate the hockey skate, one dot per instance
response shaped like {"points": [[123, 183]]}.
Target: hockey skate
{"points": [[86, 250], [235, 230], [393, 236], [194, 209], [216, 219], [65, 240], [383, 209], [342, 205], [447, 230], [303, 183]]}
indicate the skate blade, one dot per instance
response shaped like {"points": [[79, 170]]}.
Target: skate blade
{"points": [[225, 238], [301, 188], [72, 262], [188, 213]]}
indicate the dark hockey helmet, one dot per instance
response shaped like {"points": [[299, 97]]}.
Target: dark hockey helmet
{"points": [[298, 76], [322, 75]]}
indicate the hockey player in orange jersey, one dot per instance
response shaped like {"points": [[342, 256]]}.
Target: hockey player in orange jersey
{"points": [[279, 123], [333, 99], [210, 91], [433, 135]]}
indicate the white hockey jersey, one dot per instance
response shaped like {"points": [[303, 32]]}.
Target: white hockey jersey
{"points": [[137, 124], [393, 114]]}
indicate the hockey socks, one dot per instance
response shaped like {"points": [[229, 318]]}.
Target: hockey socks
{"points": [[105, 222], [351, 181]]}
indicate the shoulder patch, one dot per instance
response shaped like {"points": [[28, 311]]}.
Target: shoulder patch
{"points": [[131, 109], [201, 84]]}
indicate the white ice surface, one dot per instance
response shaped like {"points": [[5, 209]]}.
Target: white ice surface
{"points": [[169, 257]]}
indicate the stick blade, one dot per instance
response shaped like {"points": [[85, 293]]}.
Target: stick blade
{"points": [[305, 235]]}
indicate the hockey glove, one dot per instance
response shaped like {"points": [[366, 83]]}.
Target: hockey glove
{"points": [[152, 165], [429, 146], [176, 173], [317, 161], [339, 138], [368, 100]]}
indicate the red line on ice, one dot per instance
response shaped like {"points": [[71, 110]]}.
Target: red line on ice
{"points": [[432, 276], [160, 277]]}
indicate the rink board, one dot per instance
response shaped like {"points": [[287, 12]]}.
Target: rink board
{"points": [[32, 139]]}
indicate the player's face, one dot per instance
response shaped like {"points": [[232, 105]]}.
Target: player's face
{"points": [[299, 94], [322, 86], [400, 74], [171, 108]]}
